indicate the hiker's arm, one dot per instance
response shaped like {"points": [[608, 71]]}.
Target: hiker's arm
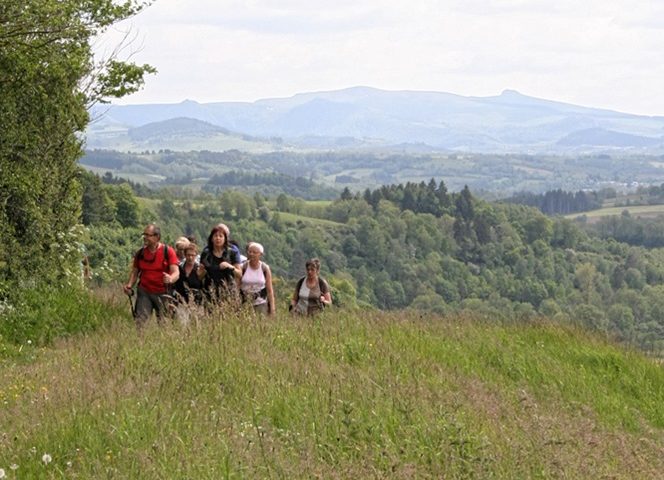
{"points": [[326, 298], [270, 292], [132, 279], [200, 271], [173, 274], [237, 269]]}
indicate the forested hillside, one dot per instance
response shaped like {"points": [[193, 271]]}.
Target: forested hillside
{"points": [[418, 246], [495, 175]]}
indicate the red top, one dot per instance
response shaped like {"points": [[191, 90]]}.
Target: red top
{"points": [[152, 267]]}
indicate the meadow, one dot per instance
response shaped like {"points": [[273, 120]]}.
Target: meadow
{"points": [[345, 395], [641, 211]]}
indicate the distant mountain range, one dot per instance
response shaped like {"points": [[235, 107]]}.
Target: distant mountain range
{"points": [[368, 118]]}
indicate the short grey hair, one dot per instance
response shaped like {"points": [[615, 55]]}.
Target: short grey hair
{"points": [[257, 245]]}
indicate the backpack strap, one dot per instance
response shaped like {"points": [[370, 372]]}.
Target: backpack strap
{"points": [[245, 265], [298, 286], [165, 260], [322, 284]]}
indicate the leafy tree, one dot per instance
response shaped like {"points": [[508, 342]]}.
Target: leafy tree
{"points": [[283, 203], [126, 206], [430, 302], [48, 78]]}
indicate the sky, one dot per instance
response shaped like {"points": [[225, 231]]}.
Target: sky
{"points": [[596, 53]]}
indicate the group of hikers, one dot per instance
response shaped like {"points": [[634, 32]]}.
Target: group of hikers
{"points": [[178, 279]]}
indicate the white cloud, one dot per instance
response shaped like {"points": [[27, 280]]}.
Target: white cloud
{"points": [[596, 53]]}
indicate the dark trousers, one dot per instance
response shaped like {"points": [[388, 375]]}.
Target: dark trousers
{"points": [[146, 303]]}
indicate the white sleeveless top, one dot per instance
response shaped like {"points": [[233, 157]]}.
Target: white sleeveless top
{"points": [[253, 281]]}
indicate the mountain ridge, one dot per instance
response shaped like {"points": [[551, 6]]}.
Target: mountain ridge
{"points": [[509, 122]]}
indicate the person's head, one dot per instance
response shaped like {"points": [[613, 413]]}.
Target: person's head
{"points": [[190, 253], [218, 237], [254, 251], [151, 235], [313, 267], [181, 245]]}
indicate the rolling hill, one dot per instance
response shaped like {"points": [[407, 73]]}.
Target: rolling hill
{"points": [[366, 117], [177, 134]]}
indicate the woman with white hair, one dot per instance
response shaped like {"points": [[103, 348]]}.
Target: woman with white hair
{"points": [[181, 245], [256, 281]]}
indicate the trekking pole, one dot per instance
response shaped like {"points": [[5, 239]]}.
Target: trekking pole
{"points": [[131, 303]]}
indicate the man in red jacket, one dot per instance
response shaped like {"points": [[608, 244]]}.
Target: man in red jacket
{"points": [[156, 267]]}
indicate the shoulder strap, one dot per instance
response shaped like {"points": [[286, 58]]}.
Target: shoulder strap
{"points": [[165, 263], [205, 257], [245, 265]]}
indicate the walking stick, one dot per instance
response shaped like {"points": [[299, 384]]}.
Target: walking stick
{"points": [[131, 304]]}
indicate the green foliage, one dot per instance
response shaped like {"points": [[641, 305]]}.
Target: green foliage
{"points": [[110, 250], [48, 78], [558, 202], [41, 313]]}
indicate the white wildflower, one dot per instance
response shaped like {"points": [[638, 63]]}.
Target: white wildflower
{"points": [[2, 473], [13, 466], [46, 459]]}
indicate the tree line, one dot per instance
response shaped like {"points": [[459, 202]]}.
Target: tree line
{"points": [[559, 202]]}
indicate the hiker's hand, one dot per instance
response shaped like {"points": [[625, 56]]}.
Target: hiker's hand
{"points": [[201, 270], [226, 266], [128, 289], [167, 279]]}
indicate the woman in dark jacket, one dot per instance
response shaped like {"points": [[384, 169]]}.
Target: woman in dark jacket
{"points": [[220, 266], [189, 286]]}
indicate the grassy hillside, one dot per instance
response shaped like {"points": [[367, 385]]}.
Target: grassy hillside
{"points": [[346, 395], [643, 211]]}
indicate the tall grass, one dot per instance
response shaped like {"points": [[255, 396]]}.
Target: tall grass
{"points": [[341, 396], [41, 313]]}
